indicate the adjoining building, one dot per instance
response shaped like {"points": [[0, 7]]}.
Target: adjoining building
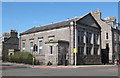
{"points": [[10, 45], [3, 38], [56, 42], [109, 35], [116, 53]]}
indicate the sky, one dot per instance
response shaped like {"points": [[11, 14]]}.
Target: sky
{"points": [[60, 0], [25, 15]]}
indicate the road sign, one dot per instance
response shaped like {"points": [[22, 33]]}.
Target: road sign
{"points": [[75, 50]]}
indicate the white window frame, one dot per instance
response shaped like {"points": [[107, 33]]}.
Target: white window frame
{"points": [[40, 47], [31, 48], [23, 48]]}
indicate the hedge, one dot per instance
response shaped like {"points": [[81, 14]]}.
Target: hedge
{"points": [[22, 57]]}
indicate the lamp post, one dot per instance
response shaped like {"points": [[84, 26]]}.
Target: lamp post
{"points": [[33, 51], [75, 49], [56, 54]]}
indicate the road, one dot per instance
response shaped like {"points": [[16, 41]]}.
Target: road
{"points": [[9, 70]]}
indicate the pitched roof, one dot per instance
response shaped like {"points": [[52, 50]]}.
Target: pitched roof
{"points": [[53, 26], [49, 26], [110, 18]]}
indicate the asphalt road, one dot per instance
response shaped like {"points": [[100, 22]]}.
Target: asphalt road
{"points": [[9, 70], [10, 67]]}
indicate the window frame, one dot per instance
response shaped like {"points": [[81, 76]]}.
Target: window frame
{"points": [[95, 49], [81, 36], [51, 50], [107, 35], [31, 47], [89, 50], [96, 37], [23, 44], [40, 47], [88, 37]]}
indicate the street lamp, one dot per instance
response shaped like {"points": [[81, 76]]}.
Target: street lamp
{"points": [[75, 49], [33, 51]]}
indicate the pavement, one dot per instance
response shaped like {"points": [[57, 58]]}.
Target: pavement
{"points": [[15, 64], [44, 66], [80, 66]]}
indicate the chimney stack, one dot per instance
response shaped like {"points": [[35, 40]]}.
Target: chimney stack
{"points": [[97, 14], [13, 33]]}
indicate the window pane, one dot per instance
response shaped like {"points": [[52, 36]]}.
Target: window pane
{"points": [[88, 37], [82, 50], [51, 50], [95, 51], [40, 51], [40, 43], [23, 45], [106, 35], [95, 38], [31, 44], [81, 34], [41, 47], [88, 50], [31, 47]]}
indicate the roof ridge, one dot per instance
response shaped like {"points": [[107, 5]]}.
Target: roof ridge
{"points": [[53, 25], [58, 22]]}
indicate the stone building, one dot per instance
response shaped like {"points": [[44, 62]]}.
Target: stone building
{"points": [[108, 28], [118, 39], [116, 53], [10, 45], [3, 38], [55, 42]]}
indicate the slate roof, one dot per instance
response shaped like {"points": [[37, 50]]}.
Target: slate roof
{"points": [[49, 26], [52, 26]]}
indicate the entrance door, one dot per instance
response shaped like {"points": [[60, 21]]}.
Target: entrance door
{"points": [[63, 53]]}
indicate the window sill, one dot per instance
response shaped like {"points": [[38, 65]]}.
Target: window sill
{"points": [[51, 54], [39, 55]]}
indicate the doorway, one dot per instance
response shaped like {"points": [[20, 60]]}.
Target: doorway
{"points": [[63, 54]]}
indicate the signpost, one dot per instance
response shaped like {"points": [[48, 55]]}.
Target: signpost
{"points": [[75, 49], [34, 50], [33, 61]]}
